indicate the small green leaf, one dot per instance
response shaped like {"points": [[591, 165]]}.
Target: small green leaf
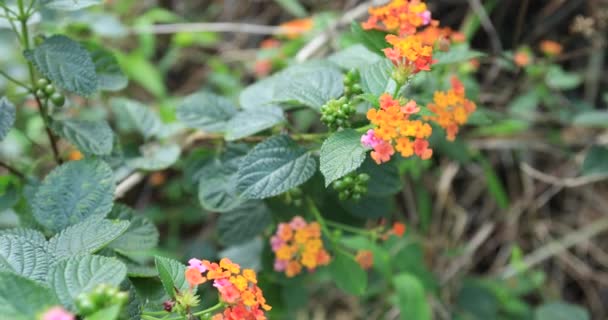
{"points": [[23, 257], [70, 5], [109, 73], [23, 299], [252, 121], [133, 115], [273, 167], [457, 53], [594, 119], [172, 275], [73, 192], [156, 157], [374, 40], [411, 297], [140, 235], [376, 78], [384, 179], [596, 161], [108, 313], [217, 189], [369, 207], [86, 237], [559, 79], [560, 311], [294, 7], [354, 57], [7, 117], [66, 63], [243, 223], [206, 111], [71, 277], [90, 137], [341, 154], [311, 87], [348, 274]]}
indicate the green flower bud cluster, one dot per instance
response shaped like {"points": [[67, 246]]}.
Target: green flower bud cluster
{"points": [[352, 86], [46, 90], [336, 113], [294, 196], [186, 300], [101, 297], [352, 186]]}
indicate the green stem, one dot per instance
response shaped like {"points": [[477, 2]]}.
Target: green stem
{"points": [[319, 218], [17, 82], [216, 307], [349, 228]]}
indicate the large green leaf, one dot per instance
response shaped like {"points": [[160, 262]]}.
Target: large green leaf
{"points": [[273, 167], [596, 161], [560, 311], [31, 235], [247, 255], [243, 223], [260, 93], [341, 154], [559, 79], [411, 298], [23, 257], [71, 277], [384, 180], [23, 299], [354, 57], [156, 157], [251, 121], [70, 5], [90, 137], [108, 313], [206, 111], [312, 87], [141, 235], [109, 73], [595, 119], [458, 53], [7, 117], [66, 63], [88, 236], [73, 192], [376, 78], [374, 40], [172, 275], [133, 115], [217, 189], [348, 274]]}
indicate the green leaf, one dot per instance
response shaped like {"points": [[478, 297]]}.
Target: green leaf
{"points": [[594, 119], [341, 154], [311, 87], [376, 78], [31, 235], [108, 313], [273, 167], [457, 53], [348, 274], [479, 118], [243, 223], [172, 275], [369, 207], [372, 39], [70, 5], [206, 111], [156, 157], [90, 137], [251, 121], [524, 104], [596, 161], [559, 79], [73, 192], [411, 297], [354, 57], [294, 7], [560, 311], [217, 189], [141, 71], [86, 237], [133, 115], [260, 93], [7, 117], [140, 235], [22, 257], [66, 63], [383, 179], [247, 255], [71, 277], [23, 299], [109, 73]]}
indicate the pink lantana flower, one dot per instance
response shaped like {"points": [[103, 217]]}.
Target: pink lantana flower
{"points": [[197, 264], [370, 140], [426, 17], [57, 313], [297, 223]]}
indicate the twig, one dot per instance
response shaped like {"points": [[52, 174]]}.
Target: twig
{"points": [[230, 27], [555, 247], [12, 170], [132, 180], [49, 133], [562, 182], [478, 239]]}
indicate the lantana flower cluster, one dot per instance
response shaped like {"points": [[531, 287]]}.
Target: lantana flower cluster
{"points": [[238, 288], [451, 108], [298, 245]]}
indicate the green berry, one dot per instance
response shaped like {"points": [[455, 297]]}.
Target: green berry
{"points": [[121, 297], [57, 99], [364, 177], [42, 83], [356, 196], [339, 185], [348, 180], [49, 89], [40, 94], [84, 305], [342, 196]]}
